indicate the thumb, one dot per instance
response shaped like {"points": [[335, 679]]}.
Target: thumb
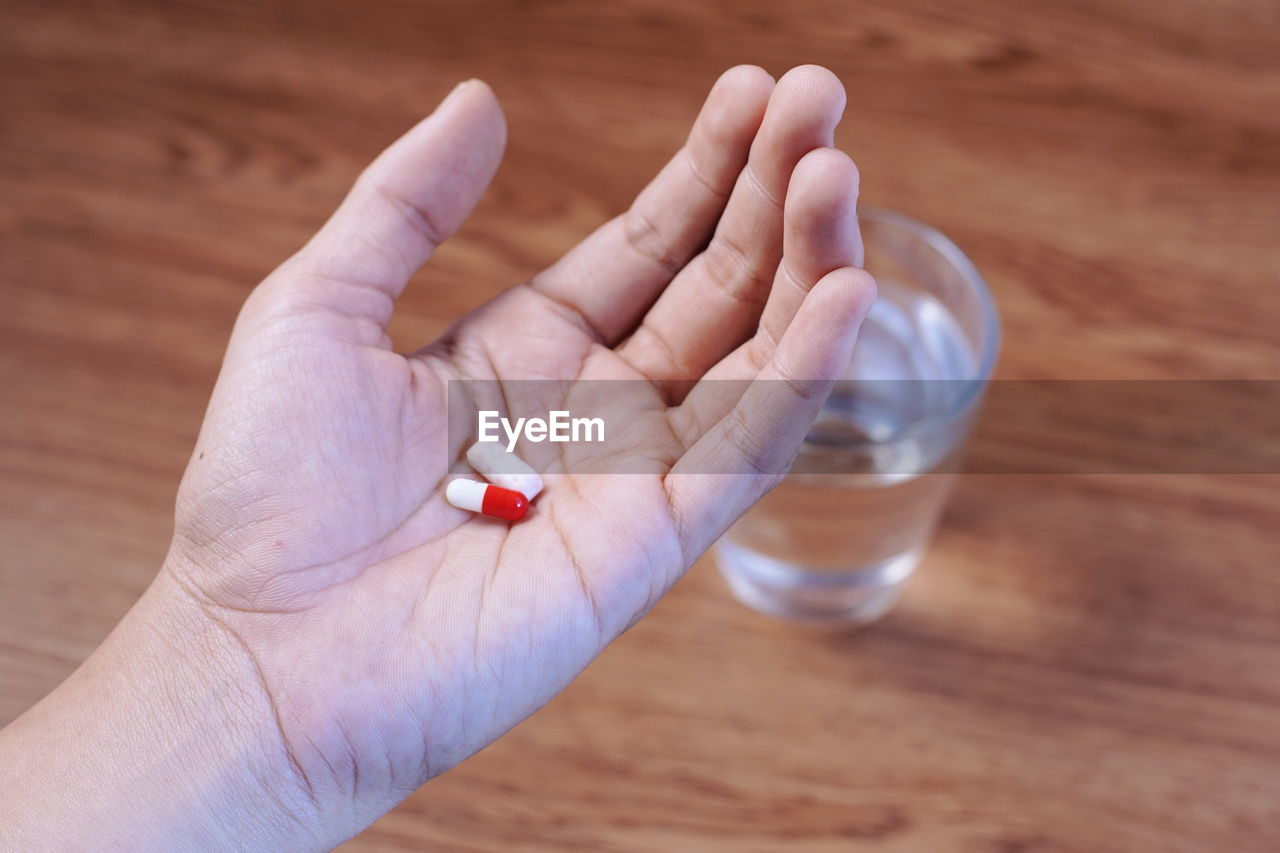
{"points": [[407, 202]]}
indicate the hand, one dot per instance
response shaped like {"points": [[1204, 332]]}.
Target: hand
{"points": [[372, 635]]}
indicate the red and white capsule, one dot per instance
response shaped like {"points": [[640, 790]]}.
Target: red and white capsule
{"points": [[487, 499]]}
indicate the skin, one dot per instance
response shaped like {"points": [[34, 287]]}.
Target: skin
{"points": [[326, 633]]}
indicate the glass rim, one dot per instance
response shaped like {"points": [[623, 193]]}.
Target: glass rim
{"points": [[972, 388]]}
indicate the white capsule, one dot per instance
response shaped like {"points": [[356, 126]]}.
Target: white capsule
{"points": [[504, 469]]}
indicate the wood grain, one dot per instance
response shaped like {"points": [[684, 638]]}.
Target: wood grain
{"points": [[1086, 663]]}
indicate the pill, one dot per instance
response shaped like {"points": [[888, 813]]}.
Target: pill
{"points": [[487, 499], [505, 469]]}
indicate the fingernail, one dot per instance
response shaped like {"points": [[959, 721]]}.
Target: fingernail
{"points": [[456, 89]]}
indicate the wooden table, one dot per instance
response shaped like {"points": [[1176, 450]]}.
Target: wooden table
{"points": [[1086, 663]]}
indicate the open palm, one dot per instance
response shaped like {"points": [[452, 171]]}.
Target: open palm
{"points": [[392, 635]]}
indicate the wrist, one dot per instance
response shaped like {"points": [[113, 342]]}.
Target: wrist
{"points": [[163, 739]]}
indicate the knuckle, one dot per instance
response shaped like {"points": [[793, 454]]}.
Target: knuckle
{"points": [[747, 440], [743, 279], [643, 236]]}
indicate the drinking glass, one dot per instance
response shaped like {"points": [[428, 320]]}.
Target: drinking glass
{"points": [[838, 539]]}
